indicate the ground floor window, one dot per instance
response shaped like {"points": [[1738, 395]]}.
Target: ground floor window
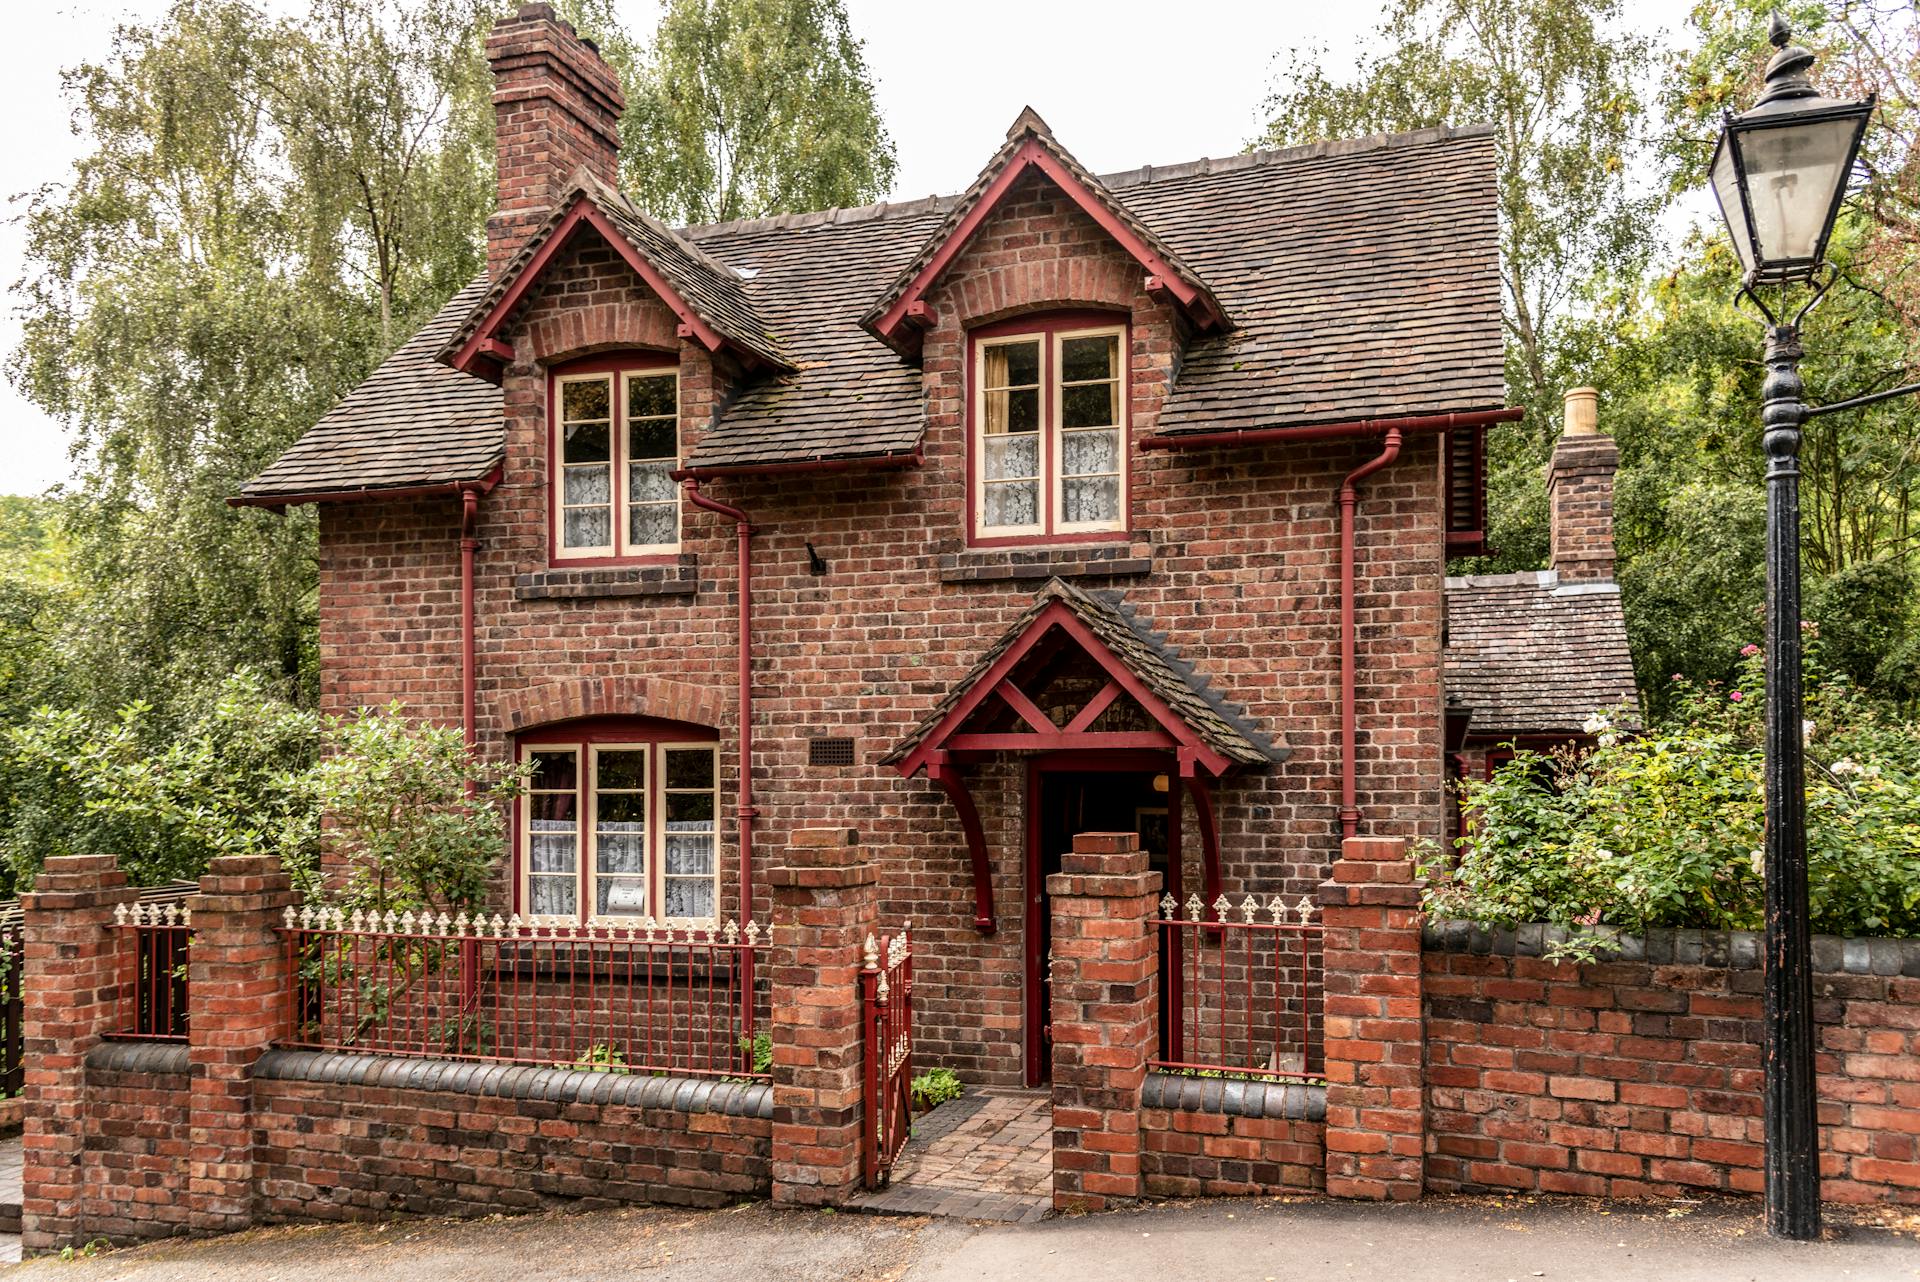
{"points": [[619, 821]]}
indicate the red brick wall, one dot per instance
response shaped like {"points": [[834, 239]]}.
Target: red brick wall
{"points": [[332, 1152], [1244, 581], [134, 1177], [1642, 1078], [1191, 1153]]}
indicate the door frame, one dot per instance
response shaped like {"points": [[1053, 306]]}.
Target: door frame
{"points": [[1034, 910]]}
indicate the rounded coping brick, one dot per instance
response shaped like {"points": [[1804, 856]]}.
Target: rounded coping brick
{"points": [[1296, 1101], [500, 1081], [1721, 949], [139, 1057]]}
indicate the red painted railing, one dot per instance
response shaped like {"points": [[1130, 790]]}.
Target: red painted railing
{"points": [[644, 998], [1241, 991], [159, 939], [886, 1000]]}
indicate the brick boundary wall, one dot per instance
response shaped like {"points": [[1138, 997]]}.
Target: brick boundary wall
{"points": [[1207, 1137], [1640, 1076]]}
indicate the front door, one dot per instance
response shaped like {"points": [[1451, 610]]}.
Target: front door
{"points": [[1060, 803]]}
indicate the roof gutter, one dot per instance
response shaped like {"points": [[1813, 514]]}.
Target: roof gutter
{"points": [[1332, 431], [368, 494], [864, 463]]}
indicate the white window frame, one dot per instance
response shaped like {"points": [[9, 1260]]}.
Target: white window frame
{"points": [[1057, 386], [1052, 443], [587, 822], [622, 547], [1042, 444]]}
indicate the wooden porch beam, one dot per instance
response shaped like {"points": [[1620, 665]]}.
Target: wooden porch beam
{"points": [[1095, 706], [941, 772], [1027, 709]]}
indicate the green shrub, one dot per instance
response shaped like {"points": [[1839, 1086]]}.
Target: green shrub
{"points": [[1664, 827], [935, 1087]]}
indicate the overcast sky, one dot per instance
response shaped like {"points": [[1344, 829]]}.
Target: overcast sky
{"points": [[1129, 89]]}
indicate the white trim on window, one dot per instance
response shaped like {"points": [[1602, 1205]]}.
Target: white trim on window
{"points": [[1057, 384], [587, 792], [619, 504]]}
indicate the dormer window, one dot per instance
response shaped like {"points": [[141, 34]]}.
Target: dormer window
{"points": [[1048, 457], [616, 443]]}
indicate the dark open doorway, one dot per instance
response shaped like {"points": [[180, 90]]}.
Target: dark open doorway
{"points": [[1075, 795]]}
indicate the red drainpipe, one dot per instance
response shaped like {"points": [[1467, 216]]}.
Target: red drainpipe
{"points": [[469, 720], [1349, 500], [745, 806]]}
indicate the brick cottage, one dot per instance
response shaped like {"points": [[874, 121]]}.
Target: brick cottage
{"points": [[1072, 503], [1058, 567]]}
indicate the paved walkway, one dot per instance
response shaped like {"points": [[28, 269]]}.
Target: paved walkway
{"points": [[11, 1161], [985, 1156], [1236, 1240]]}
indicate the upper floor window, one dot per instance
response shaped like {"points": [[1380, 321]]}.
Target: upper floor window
{"points": [[1049, 430], [616, 444], [619, 821]]}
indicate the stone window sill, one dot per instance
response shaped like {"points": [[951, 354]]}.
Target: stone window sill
{"points": [[1068, 561], [608, 581]]}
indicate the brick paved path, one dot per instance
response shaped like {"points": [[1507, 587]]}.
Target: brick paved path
{"points": [[985, 1156], [11, 1156]]}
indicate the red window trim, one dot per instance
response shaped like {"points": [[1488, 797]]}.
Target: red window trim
{"points": [[636, 361], [1046, 325], [586, 732]]}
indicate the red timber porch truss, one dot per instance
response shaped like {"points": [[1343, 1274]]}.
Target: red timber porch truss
{"points": [[1075, 682]]}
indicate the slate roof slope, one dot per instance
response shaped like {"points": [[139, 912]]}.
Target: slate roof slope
{"points": [[1361, 279], [414, 421], [716, 292], [1223, 726], [1525, 653]]}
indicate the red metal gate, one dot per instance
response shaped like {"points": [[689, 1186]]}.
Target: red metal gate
{"points": [[886, 1000]]}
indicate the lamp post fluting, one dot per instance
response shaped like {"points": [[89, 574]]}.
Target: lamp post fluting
{"points": [[1792, 1135]]}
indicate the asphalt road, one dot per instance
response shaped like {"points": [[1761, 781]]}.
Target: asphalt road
{"points": [[1226, 1241]]}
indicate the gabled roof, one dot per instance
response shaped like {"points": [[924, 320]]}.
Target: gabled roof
{"points": [[414, 421], [1030, 144], [709, 297], [1176, 695], [1528, 654], [1362, 279]]}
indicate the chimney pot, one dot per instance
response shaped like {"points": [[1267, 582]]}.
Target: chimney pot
{"points": [[1583, 411]]}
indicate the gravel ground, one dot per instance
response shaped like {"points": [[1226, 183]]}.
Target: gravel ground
{"points": [[1269, 1240]]}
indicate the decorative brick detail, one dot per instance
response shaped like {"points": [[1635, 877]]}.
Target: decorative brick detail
{"points": [[1375, 1040], [72, 983], [825, 900], [612, 697], [1105, 959], [236, 1006], [627, 580], [609, 322], [556, 108], [1013, 565]]}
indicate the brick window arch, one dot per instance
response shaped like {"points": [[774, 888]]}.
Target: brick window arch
{"points": [[614, 443], [619, 821], [1047, 414]]}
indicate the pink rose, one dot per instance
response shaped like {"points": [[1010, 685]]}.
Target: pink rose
{"points": [[1735, 696], [1749, 650]]}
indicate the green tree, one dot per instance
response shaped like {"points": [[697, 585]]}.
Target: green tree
{"points": [[743, 108]]}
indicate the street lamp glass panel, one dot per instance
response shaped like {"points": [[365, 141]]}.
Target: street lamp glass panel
{"points": [[1794, 174], [1733, 204]]}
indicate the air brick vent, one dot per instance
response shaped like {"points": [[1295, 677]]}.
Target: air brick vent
{"points": [[829, 752]]}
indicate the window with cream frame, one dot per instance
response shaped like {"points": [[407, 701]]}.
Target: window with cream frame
{"points": [[618, 824], [1049, 417], [616, 443]]}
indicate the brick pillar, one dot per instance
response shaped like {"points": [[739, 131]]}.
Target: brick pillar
{"points": [[71, 987], [1375, 1037], [825, 903], [1104, 963], [236, 1006]]}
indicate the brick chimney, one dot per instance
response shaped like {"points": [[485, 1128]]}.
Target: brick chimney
{"points": [[556, 109], [1580, 493]]}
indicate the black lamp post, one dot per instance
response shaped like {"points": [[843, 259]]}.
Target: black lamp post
{"points": [[1779, 173]]}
